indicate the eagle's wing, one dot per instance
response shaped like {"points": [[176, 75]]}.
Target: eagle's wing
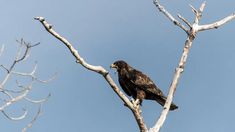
{"points": [[125, 86], [143, 82]]}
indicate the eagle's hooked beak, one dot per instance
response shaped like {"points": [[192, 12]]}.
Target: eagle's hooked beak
{"points": [[113, 66]]}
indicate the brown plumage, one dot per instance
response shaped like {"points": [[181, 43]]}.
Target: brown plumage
{"points": [[138, 85]]}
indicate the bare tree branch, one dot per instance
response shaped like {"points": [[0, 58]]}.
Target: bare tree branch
{"points": [[15, 99], [169, 16], [194, 28], [14, 95], [216, 24], [98, 69]]}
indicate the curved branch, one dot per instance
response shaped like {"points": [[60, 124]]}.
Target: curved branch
{"points": [[97, 69], [216, 24], [38, 101], [33, 76], [15, 118]]}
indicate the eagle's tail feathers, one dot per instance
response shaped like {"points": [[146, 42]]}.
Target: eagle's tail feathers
{"points": [[162, 99]]}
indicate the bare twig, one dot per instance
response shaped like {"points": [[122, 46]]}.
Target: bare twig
{"points": [[185, 20], [33, 76], [199, 13], [169, 16], [194, 10], [1, 50], [97, 69], [16, 118], [34, 119], [38, 101]]}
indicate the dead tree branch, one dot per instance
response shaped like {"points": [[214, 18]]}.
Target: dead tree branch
{"points": [[216, 24], [13, 95], [169, 16], [98, 69], [194, 28]]}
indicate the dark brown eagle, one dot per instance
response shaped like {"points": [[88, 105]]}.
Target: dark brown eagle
{"points": [[138, 85]]}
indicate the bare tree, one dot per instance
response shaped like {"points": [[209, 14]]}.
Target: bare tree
{"points": [[191, 29], [10, 96]]}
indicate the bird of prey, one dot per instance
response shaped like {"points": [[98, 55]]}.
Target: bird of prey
{"points": [[138, 85]]}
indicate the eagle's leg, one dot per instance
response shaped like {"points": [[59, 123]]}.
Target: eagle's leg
{"points": [[136, 104], [140, 96]]}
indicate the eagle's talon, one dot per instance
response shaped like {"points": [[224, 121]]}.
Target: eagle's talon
{"points": [[132, 100], [136, 103]]}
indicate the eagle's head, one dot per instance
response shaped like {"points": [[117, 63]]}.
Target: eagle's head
{"points": [[118, 65]]}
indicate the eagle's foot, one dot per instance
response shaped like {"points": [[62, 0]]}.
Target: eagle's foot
{"points": [[136, 103], [132, 100]]}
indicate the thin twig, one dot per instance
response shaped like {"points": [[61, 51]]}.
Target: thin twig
{"points": [[185, 20], [194, 10], [1, 50], [169, 16], [34, 119], [15, 118], [38, 101]]}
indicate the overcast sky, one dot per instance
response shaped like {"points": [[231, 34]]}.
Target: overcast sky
{"points": [[133, 30]]}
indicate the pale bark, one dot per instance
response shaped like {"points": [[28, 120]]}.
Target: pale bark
{"points": [[194, 28]]}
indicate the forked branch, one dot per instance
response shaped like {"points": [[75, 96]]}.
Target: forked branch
{"points": [[194, 28]]}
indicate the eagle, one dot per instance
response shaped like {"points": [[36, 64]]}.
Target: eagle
{"points": [[138, 85]]}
